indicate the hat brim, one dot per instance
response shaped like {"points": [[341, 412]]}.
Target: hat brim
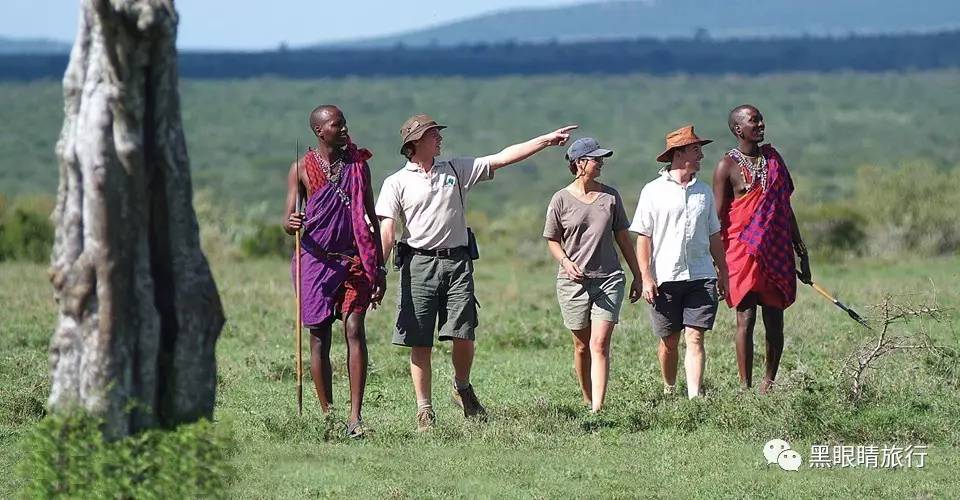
{"points": [[667, 155], [417, 134], [596, 153], [599, 153]]}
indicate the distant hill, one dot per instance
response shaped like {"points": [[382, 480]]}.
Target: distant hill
{"points": [[683, 18], [32, 46]]}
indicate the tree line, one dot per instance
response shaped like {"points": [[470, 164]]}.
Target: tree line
{"points": [[698, 55]]}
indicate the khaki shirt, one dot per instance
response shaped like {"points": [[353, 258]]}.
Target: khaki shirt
{"points": [[429, 204], [680, 221]]}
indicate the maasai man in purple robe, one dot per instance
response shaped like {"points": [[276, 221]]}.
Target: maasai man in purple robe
{"points": [[341, 261]]}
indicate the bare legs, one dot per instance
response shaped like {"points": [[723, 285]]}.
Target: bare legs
{"points": [[743, 341], [356, 338], [581, 363], [694, 359], [773, 325], [322, 371], [667, 349], [463, 351], [320, 367], [591, 361], [421, 371]]}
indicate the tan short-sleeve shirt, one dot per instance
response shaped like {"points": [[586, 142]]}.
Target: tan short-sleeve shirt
{"points": [[429, 203]]}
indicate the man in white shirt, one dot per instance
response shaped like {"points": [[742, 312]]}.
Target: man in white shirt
{"points": [[436, 270], [678, 246]]}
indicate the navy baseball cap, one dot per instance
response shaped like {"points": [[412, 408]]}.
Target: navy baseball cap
{"points": [[586, 146]]}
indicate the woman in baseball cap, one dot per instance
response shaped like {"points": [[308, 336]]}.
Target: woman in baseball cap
{"points": [[585, 222]]}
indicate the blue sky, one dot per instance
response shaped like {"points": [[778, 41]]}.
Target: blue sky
{"points": [[264, 24]]}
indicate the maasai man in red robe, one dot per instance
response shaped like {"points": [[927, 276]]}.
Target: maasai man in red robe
{"points": [[752, 188], [342, 271]]}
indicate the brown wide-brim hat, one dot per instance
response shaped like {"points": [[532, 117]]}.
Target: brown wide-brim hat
{"points": [[414, 128], [679, 138]]}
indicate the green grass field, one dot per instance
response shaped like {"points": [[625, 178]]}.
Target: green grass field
{"points": [[241, 134], [539, 442]]}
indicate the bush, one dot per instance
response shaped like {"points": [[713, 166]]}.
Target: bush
{"points": [[833, 230], [899, 212], [267, 240], [67, 455], [911, 210], [229, 232], [26, 232]]}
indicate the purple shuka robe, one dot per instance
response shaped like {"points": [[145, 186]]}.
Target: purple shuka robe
{"points": [[334, 228]]}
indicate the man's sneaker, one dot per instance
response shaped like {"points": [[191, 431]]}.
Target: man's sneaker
{"points": [[466, 399], [425, 419], [669, 390]]}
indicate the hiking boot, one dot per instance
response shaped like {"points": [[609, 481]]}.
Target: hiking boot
{"points": [[467, 399], [425, 419]]}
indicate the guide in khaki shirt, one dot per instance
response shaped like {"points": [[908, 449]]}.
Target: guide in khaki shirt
{"points": [[429, 204], [436, 279]]}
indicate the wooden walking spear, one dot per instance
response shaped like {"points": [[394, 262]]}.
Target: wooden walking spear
{"points": [[299, 321], [850, 312]]}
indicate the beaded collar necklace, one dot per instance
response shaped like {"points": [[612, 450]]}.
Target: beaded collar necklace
{"points": [[758, 170], [333, 173]]}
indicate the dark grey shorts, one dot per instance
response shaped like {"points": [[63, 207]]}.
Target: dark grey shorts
{"points": [[684, 303], [432, 289]]}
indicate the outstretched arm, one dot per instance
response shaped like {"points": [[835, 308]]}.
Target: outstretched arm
{"points": [[519, 152]]}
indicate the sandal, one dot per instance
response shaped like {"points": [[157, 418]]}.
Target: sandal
{"points": [[355, 430]]}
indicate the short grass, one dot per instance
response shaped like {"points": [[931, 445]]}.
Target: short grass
{"points": [[540, 442]]}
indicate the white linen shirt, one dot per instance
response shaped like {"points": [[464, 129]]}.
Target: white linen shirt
{"points": [[680, 221], [429, 204]]}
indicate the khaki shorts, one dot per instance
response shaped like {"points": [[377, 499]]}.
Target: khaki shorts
{"points": [[436, 294], [591, 299]]}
